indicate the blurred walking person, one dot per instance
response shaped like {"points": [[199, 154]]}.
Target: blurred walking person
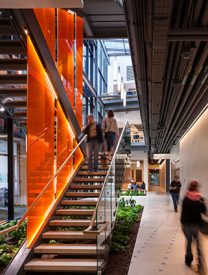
{"points": [[94, 141], [175, 188], [192, 207], [110, 128]]}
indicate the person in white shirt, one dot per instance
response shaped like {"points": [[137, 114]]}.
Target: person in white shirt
{"points": [[110, 128]]}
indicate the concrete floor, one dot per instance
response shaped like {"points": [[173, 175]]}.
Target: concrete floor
{"points": [[160, 244]]}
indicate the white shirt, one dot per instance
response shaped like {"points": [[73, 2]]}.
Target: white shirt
{"points": [[110, 125]]}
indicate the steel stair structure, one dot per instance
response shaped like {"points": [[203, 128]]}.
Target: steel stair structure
{"points": [[64, 246], [13, 71]]}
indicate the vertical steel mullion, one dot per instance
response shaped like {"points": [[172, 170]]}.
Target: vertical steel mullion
{"points": [[10, 169]]}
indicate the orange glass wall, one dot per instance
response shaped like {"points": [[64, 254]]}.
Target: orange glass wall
{"points": [[64, 148], [46, 19], [66, 52], [44, 109], [40, 140], [79, 68]]}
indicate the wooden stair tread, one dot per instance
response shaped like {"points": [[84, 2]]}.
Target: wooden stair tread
{"points": [[74, 212], [84, 265], [82, 194], [67, 249], [69, 222], [88, 173], [100, 168], [67, 235], [78, 202], [88, 179], [85, 186]]}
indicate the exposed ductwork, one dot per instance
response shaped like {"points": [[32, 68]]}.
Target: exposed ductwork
{"points": [[168, 41]]}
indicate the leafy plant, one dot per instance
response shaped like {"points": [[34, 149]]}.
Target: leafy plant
{"points": [[5, 258], [125, 219], [10, 242], [19, 233], [133, 193], [52, 241]]}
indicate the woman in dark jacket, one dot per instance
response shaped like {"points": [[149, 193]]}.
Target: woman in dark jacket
{"points": [[192, 207], [94, 140]]}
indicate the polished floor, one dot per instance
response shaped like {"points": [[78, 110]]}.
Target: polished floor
{"points": [[160, 244]]}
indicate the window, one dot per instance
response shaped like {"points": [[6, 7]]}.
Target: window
{"points": [[129, 73]]}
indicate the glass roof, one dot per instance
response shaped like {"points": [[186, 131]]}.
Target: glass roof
{"points": [[117, 47]]}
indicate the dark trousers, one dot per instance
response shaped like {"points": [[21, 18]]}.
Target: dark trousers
{"points": [[191, 233], [93, 146], [175, 198]]}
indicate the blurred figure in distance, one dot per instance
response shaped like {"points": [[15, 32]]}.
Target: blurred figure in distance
{"points": [[175, 188], [192, 207]]}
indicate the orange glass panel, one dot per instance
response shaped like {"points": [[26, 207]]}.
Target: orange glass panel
{"points": [[66, 52], [46, 19], [79, 68], [40, 141], [65, 145]]}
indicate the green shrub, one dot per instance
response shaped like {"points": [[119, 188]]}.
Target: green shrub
{"points": [[133, 193], [5, 258], [125, 219]]}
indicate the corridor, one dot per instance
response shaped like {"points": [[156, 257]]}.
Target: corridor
{"points": [[160, 244]]}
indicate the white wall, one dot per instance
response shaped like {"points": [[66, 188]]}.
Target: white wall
{"points": [[133, 117], [194, 154]]}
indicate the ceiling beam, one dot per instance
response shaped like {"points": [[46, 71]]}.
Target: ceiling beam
{"points": [[29, 4], [188, 37], [189, 31]]}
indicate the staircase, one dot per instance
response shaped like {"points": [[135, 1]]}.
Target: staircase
{"points": [[64, 246], [13, 71]]}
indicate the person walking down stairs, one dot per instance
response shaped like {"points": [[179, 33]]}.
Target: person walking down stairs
{"points": [[94, 141], [110, 128]]}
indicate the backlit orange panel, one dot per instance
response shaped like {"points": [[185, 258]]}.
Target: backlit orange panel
{"points": [[40, 141], [41, 161], [46, 19], [66, 52], [65, 145], [79, 68]]}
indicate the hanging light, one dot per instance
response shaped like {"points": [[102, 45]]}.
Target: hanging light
{"points": [[122, 88], [115, 69], [119, 79], [2, 108], [124, 98], [138, 163]]}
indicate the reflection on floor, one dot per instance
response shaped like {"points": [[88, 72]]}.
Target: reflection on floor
{"points": [[18, 212], [160, 244]]}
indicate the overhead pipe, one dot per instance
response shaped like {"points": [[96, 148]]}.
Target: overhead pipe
{"points": [[167, 131], [186, 96], [179, 94], [194, 101], [167, 87], [133, 12]]}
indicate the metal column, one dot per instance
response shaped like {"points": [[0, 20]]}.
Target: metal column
{"points": [[10, 169]]}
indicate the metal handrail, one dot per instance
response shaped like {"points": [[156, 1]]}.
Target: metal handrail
{"points": [[43, 191], [42, 133], [89, 228]]}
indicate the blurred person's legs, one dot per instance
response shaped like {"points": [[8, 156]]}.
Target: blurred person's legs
{"points": [[175, 198], [96, 146], [89, 154], [187, 230], [110, 138]]}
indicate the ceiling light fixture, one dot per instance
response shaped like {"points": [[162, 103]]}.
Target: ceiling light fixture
{"points": [[119, 79]]}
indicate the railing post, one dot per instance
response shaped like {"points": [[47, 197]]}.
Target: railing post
{"points": [[10, 169]]}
